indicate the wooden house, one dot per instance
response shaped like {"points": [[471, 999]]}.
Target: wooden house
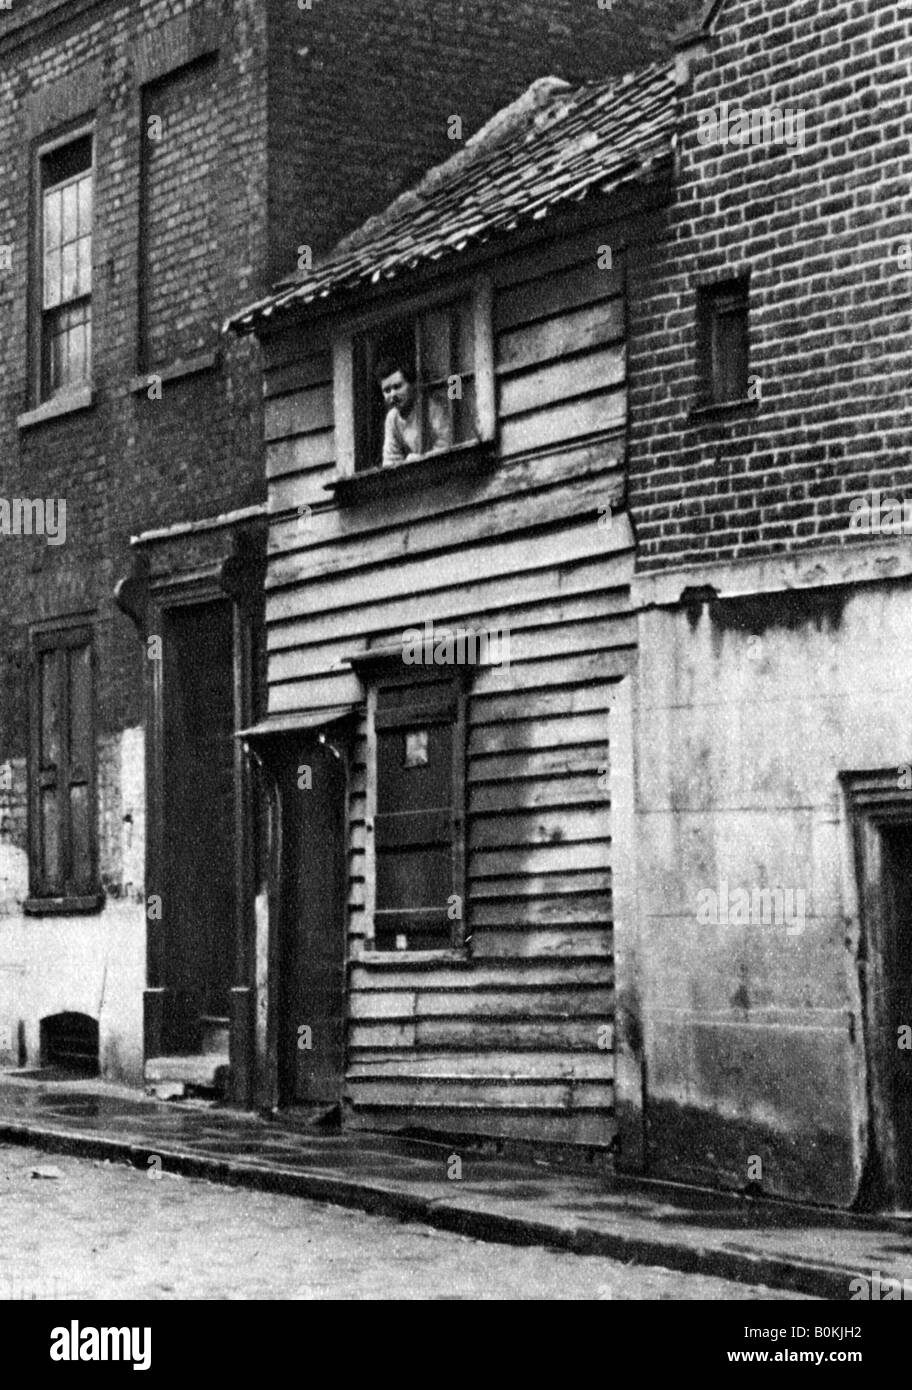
{"points": [[448, 737]]}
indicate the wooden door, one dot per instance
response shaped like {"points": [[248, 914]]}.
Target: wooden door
{"points": [[313, 922], [895, 973], [199, 839], [415, 730]]}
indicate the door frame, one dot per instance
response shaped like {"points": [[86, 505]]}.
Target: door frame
{"points": [[146, 601], [876, 802]]}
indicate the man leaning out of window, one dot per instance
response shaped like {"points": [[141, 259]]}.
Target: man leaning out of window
{"points": [[402, 431]]}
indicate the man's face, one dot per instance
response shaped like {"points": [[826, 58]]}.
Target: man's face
{"points": [[398, 392]]}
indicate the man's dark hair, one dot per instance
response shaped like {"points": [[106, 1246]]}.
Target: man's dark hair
{"points": [[389, 362]]}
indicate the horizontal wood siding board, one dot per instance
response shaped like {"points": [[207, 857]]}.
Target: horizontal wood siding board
{"points": [[534, 859], [556, 292], [475, 1036], [541, 632], [523, 972], [298, 375], [534, 775], [562, 469], [573, 419], [398, 576], [561, 883], [299, 412], [588, 587], [586, 1130], [576, 248], [561, 335], [579, 375], [543, 944], [559, 911], [581, 730], [568, 1001], [316, 554], [301, 462], [511, 1093], [521, 708], [527, 792], [551, 827], [529, 1065]]}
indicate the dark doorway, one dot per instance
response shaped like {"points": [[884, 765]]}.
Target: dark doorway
{"points": [[895, 976], [313, 914], [198, 832]]}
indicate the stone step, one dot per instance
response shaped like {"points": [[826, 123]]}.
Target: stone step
{"points": [[214, 1034], [171, 1078]]}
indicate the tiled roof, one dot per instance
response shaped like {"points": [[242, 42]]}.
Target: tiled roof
{"points": [[554, 146]]}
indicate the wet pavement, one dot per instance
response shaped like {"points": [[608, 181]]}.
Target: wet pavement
{"points": [[97, 1230], [462, 1190]]}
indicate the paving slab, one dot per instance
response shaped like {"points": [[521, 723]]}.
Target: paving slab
{"points": [[799, 1248]]}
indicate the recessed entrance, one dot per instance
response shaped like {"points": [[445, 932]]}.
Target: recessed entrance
{"points": [[882, 825], [198, 824]]}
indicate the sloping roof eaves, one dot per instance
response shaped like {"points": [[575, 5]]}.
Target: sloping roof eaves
{"points": [[584, 141]]}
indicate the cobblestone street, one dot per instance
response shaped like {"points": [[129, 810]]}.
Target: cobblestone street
{"points": [[92, 1230]]}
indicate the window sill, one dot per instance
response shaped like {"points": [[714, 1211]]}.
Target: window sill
{"points": [[416, 473], [63, 907], [66, 403], [186, 366], [719, 409]]}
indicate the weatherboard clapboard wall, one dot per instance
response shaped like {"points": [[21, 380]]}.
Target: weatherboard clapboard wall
{"points": [[515, 1040]]}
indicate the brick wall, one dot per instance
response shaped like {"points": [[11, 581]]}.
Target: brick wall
{"points": [[360, 93], [179, 243], [819, 230]]}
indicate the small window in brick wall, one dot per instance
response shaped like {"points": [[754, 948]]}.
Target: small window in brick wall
{"points": [[723, 342]]}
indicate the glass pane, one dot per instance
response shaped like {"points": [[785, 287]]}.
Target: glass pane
{"points": [[84, 265], [70, 272], [56, 360], [70, 212], [87, 367], [74, 367], [50, 710], [50, 839], [51, 279], [85, 206], [436, 355], [52, 202], [79, 836], [416, 748], [438, 420]]}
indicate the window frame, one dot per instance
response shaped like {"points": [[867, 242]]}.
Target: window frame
{"points": [[716, 299], [39, 392], [70, 897], [385, 671], [479, 291]]}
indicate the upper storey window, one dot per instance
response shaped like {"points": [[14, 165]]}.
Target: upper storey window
{"points": [[416, 385], [65, 240]]}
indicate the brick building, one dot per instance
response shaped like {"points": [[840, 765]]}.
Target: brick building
{"points": [[733, 643], [159, 164], [767, 980]]}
